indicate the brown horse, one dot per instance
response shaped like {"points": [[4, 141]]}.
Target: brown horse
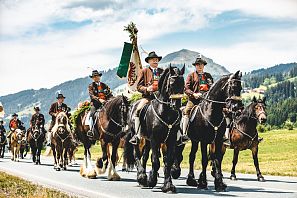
{"points": [[15, 144], [109, 125], [244, 134], [61, 141]]}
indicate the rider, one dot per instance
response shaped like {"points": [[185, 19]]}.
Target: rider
{"points": [[38, 120], [99, 93], [2, 128], [197, 84], [56, 108], [147, 85], [14, 124]]}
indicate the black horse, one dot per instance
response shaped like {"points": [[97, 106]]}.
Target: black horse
{"points": [[159, 124], [244, 134], [110, 125], [35, 138], [207, 126]]}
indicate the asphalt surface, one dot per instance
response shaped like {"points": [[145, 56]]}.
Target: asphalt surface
{"points": [[71, 182]]}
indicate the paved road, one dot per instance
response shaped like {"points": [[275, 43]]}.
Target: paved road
{"points": [[70, 181]]}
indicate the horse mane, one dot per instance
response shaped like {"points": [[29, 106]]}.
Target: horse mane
{"points": [[55, 127], [216, 83], [249, 110], [110, 105]]}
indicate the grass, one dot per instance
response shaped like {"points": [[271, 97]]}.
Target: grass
{"points": [[11, 186], [277, 155]]}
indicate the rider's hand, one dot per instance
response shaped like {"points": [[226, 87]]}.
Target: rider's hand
{"points": [[150, 88], [102, 101], [197, 95]]}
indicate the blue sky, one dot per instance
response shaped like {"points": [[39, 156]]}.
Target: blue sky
{"points": [[70, 36]]}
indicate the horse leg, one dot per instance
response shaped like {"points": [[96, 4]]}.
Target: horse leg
{"points": [[145, 155], [202, 182], [55, 156], [65, 157], [178, 158], [58, 158], [34, 149], [168, 186], [234, 161], [216, 156], [141, 172], [256, 163], [153, 177], [114, 176], [102, 162], [191, 177]]}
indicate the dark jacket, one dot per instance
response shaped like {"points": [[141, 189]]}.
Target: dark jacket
{"points": [[37, 119], [99, 91], [145, 80], [2, 130], [192, 84], [55, 108]]}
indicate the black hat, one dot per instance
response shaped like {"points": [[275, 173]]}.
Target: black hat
{"points": [[14, 114], [60, 96], [95, 73], [36, 108], [200, 60], [152, 55]]}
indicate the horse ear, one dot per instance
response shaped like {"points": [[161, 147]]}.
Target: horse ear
{"points": [[124, 99], [237, 73], [183, 70], [171, 69], [240, 75], [254, 99]]}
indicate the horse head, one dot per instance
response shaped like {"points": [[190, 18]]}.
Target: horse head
{"points": [[61, 124], [258, 109], [35, 131], [18, 136], [171, 85]]}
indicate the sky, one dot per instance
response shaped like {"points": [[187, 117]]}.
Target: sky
{"points": [[44, 43]]}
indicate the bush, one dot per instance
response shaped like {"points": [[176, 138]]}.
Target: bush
{"points": [[261, 128], [136, 96], [289, 125]]}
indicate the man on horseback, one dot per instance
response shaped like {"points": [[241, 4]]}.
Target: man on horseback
{"points": [[56, 108], [37, 120], [197, 84], [99, 93], [14, 124], [147, 85], [2, 128]]}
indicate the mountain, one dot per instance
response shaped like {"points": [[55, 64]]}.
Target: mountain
{"points": [[76, 90], [187, 57]]}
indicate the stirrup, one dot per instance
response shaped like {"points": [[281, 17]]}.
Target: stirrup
{"points": [[183, 140], [226, 141], [134, 140]]}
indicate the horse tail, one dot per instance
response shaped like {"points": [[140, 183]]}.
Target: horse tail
{"points": [[129, 152]]}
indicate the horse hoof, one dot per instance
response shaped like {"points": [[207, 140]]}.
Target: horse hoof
{"points": [[191, 181], [142, 179], [64, 168], [261, 179], [175, 173], [202, 185], [58, 169], [233, 177], [220, 187], [168, 188], [153, 179]]}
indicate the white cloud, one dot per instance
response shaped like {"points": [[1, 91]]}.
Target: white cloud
{"points": [[48, 56]]}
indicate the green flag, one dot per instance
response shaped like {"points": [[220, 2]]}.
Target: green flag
{"points": [[125, 60]]}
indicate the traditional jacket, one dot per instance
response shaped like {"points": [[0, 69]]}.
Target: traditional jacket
{"points": [[14, 124], [147, 78], [56, 108], [197, 83], [2, 129], [99, 91], [37, 119]]}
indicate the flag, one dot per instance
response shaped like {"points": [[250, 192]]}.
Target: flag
{"points": [[125, 60], [134, 70]]}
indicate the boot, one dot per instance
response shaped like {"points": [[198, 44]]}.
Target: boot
{"points": [[90, 133], [49, 139], [226, 139], [136, 138], [183, 138]]}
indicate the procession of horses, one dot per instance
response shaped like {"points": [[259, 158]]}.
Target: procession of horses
{"points": [[152, 128]]}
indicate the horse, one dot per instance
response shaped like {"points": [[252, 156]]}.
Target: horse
{"points": [[35, 138], [15, 144], [160, 121], [244, 134], [109, 126], [61, 141], [3, 141], [207, 126]]}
